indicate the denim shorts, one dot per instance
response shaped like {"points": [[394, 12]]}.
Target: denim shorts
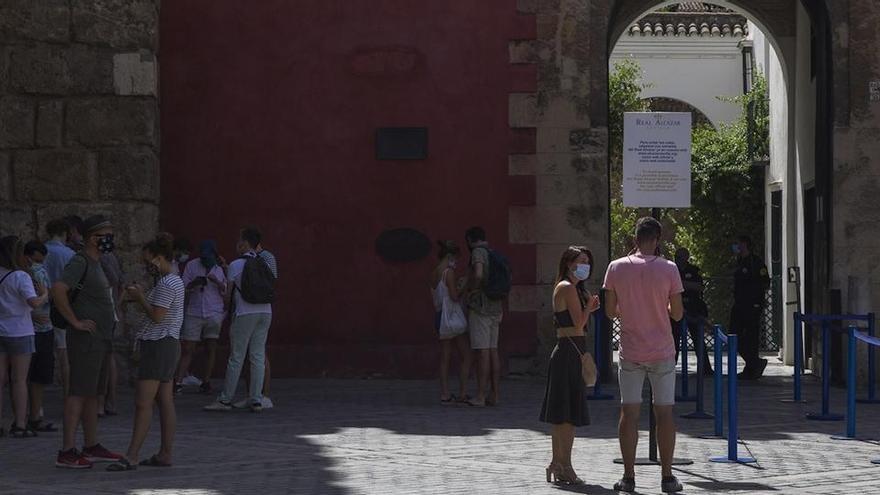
{"points": [[661, 374], [17, 345]]}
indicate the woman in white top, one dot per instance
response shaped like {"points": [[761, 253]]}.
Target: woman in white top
{"points": [[18, 297], [159, 344], [446, 290]]}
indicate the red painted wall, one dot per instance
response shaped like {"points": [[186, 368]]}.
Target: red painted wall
{"points": [[269, 111]]}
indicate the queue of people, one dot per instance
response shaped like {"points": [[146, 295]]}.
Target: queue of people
{"points": [[64, 301]]}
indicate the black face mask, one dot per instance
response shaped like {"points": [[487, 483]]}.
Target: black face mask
{"points": [[106, 244]]}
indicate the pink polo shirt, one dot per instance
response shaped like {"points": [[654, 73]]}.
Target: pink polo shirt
{"points": [[643, 285]]}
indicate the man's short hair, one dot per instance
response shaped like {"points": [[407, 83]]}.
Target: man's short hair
{"points": [[648, 229], [57, 228], [475, 234], [35, 247], [182, 245], [76, 222], [252, 236]]}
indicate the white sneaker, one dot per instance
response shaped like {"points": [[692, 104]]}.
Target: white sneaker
{"points": [[242, 404], [217, 406], [267, 403], [190, 381]]}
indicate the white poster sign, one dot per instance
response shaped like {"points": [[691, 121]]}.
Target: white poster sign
{"points": [[657, 160]]}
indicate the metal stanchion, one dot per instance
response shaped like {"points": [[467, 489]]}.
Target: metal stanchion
{"points": [[826, 414], [798, 357], [599, 349], [700, 413], [652, 458], [850, 387], [871, 399], [684, 396], [718, 389], [732, 438]]}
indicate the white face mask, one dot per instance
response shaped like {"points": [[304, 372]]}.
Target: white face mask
{"points": [[582, 271], [183, 258], [452, 263]]}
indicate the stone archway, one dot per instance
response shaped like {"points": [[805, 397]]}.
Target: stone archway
{"points": [[565, 123]]}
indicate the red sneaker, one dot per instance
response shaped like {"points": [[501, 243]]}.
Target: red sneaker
{"points": [[72, 459], [97, 453]]}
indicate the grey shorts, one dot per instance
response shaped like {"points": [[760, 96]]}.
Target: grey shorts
{"points": [[483, 330], [661, 374], [196, 329], [15, 346], [158, 359], [89, 358]]}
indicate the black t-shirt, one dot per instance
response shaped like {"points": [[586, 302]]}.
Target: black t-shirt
{"points": [[691, 299], [750, 281]]}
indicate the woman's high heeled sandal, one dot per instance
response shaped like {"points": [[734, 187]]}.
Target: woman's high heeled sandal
{"points": [[569, 477], [553, 472]]}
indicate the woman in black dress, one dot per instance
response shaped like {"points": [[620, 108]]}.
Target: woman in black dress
{"points": [[564, 402]]}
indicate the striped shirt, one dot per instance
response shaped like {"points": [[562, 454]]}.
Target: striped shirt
{"points": [[168, 293], [269, 258]]}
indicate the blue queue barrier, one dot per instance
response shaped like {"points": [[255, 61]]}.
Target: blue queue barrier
{"points": [[854, 336], [684, 396], [599, 351], [825, 321], [871, 399], [732, 437], [700, 348]]}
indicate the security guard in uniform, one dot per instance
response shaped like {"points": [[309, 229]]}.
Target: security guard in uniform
{"points": [[751, 281], [695, 310]]}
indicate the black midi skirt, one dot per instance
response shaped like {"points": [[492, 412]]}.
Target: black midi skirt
{"points": [[565, 399]]}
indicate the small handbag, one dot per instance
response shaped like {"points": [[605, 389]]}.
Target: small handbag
{"points": [[452, 319], [588, 366]]}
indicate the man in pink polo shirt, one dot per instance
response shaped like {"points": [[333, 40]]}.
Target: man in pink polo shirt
{"points": [[644, 291]]}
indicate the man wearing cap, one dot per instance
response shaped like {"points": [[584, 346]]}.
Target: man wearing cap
{"points": [[91, 319]]}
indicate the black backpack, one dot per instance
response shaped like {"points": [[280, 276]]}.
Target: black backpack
{"points": [[498, 282], [257, 281]]}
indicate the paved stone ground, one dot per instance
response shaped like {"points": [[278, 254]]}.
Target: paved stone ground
{"points": [[382, 437]]}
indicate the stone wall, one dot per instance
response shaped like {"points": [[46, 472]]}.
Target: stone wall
{"points": [[79, 119], [79, 122]]}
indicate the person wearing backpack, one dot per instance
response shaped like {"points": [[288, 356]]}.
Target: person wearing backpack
{"points": [[251, 289], [488, 286]]}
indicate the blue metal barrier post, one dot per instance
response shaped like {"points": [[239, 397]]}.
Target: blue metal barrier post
{"points": [[700, 413], [871, 367], [850, 387], [798, 357], [732, 406], [684, 396], [599, 350], [826, 415], [717, 389]]}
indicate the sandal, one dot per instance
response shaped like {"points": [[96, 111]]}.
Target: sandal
{"points": [[110, 412], [122, 465], [463, 400], [449, 400], [19, 432], [154, 461], [41, 426], [474, 403]]}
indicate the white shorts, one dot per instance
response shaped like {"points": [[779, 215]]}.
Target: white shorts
{"points": [[661, 374], [196, 329], [60, 338]]}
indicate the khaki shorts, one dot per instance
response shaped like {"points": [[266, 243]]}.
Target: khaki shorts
{"points": [[89, 361], [483, 330], [196, 329], [661, 374]]}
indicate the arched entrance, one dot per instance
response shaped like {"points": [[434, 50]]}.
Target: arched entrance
{"points": [[798, 179]]}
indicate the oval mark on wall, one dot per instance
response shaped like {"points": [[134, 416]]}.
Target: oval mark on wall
{"points": [[403, 245]]}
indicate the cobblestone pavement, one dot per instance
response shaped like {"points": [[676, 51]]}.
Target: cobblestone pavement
{"points": [[342, 437]]}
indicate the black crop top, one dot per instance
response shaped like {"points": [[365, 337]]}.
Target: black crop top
{"points": [[563, 319]]}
